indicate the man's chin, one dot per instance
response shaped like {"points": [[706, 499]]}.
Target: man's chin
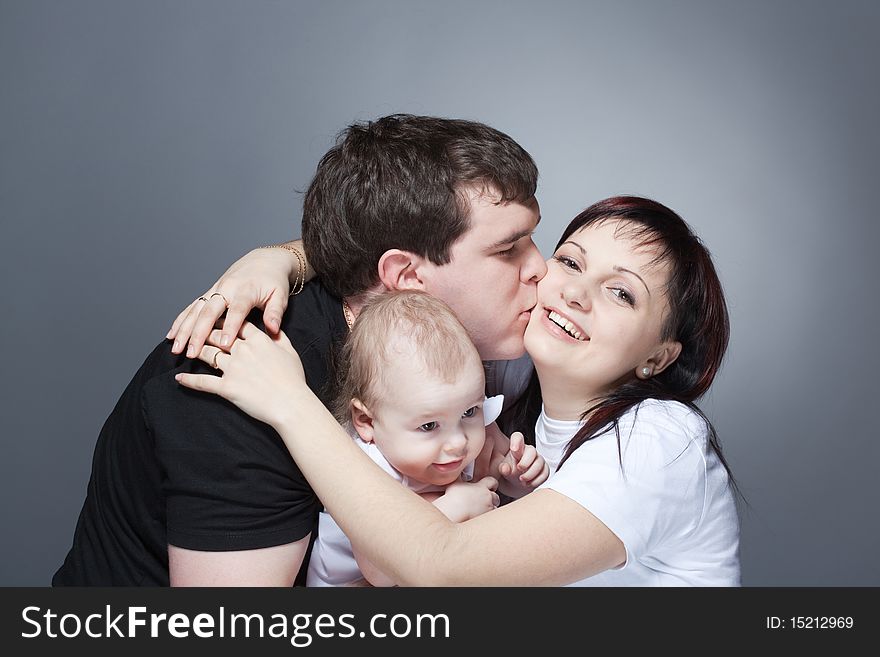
{"points": [[509, 350]]}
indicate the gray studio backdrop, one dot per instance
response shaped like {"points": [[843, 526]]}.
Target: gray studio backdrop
{"points": [[145, 145]]}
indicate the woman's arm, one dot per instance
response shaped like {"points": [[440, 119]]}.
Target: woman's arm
{"points": [[542, 539], [262, 278], [461, 501]]}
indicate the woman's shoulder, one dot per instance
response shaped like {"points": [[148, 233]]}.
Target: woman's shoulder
{"points": [[664, 427], [668, 412]]}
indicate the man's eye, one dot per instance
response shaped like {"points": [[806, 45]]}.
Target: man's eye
{"points": [[507, 252], [428, 426], [470, 412]]}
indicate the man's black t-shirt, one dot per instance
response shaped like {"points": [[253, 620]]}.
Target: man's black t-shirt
{"points": [[180, 467]]}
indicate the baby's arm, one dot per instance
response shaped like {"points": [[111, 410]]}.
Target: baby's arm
{"points": [[459, 502], [463, 500]]}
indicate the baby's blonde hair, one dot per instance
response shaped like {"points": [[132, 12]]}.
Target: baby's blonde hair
{"points": [[429, 328]]}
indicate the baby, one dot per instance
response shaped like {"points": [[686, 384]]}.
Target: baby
{"points": [[411, 390]]}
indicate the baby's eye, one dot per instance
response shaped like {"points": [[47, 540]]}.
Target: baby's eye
{"points": [[428, 426], [470, 412]]}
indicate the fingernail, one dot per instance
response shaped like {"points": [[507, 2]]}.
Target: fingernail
{"points": [[190, 350], [176, 347], [224, 341], [177, 377]]}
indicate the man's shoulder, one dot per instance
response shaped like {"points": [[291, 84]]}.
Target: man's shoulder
{"points": [[157, 365], [313, 318], [170, 408], [313, 329]]}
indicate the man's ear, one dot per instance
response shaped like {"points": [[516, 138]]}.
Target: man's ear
{"points": [[665, 356], [401, 270], [362, 420]]}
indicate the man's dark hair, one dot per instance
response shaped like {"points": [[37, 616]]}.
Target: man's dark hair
{"points": [[401, 182]]}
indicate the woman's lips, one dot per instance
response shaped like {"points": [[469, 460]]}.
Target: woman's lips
{"points": [[554, 329]]}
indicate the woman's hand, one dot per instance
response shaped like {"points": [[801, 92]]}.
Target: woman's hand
{"points": [[259, 279], [262, 375]]}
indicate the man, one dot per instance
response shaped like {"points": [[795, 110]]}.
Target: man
{"points": [[187, 490]]}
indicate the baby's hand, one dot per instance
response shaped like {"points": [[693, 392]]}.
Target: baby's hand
{"points": [[464, 500], [522, 468]]}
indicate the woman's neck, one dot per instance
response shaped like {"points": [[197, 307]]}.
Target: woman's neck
{"points": [[561, 400]]}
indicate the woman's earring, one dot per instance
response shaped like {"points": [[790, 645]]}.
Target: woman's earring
{"points": [[646, 372]]}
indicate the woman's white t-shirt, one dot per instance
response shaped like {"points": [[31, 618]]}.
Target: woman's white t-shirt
{"points": [[665, 495]]}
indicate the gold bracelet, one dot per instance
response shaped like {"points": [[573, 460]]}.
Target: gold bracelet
{"points": [[300, 280], [302, 273]]}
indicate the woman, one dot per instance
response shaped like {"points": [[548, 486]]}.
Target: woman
{"points": [[629, 330]]}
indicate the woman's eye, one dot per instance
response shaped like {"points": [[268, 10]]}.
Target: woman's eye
{"points": [[567, 262], [428, 426], [470, 412], [623, 295]]}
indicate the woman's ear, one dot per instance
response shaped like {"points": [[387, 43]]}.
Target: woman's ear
{"points": [[401, 270], [362, 420], [662, 358]]}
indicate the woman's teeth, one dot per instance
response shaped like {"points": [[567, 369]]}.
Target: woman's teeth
{"points": [[566, 326]]}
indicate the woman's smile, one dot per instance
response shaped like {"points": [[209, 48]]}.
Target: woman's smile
{"points": [[563, 326]]}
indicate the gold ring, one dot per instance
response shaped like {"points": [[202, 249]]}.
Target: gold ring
{"points": [[217, 294], [214, 360]]}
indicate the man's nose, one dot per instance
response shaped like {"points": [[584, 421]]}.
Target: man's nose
{"points": [[534, 268]]}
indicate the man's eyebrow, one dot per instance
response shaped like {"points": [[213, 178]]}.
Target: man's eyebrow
{"points": [[510, 239], [616, 268]]}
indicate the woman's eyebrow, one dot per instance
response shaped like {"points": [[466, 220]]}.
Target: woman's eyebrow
{"points": [[575, 244], [616, 267], [628, 271]]}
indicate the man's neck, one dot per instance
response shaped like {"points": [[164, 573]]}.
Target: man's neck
{"points": [[356, 302]]}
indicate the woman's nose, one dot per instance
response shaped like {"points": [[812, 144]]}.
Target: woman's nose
{"points": [[577, 295]]}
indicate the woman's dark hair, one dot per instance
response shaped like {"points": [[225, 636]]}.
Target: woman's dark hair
{"points": [[697, 319], [402, 182]]}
